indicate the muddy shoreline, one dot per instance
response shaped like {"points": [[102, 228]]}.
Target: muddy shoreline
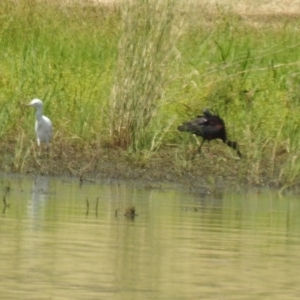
{"points": [[208, 172], [215, 170]]}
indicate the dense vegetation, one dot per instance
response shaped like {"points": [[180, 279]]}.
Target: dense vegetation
{"points": [[121, 78]]}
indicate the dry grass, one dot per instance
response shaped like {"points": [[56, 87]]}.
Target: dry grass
{"points": [[254, 13], [256, 7], [246, 7], [146, 56]]}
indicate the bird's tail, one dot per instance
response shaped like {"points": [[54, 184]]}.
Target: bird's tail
{"points": [[235, 146]]}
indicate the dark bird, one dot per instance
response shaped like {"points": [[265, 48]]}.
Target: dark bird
{"points": [[210, 127]]}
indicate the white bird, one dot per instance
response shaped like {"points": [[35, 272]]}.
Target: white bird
{"points": [[43, 125]]}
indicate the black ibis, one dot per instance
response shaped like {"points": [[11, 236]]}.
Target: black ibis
{"points": [[210, 127]]}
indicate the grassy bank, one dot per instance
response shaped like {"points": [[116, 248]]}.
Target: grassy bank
{"points": [[117, 80]]}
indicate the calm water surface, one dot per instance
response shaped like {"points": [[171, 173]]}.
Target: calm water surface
{"points": [[56, 243]]}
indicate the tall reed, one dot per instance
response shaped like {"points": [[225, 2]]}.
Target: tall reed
{"points": [[150, 30]]}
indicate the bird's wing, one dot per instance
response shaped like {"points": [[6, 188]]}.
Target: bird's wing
{"points": [[216, 122], [43, 128], [48, 125], [201, 120], [36, 126]]}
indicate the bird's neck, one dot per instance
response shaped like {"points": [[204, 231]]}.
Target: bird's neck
{"points": [[39, 113]]}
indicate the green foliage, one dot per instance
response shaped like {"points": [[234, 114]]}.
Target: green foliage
{"points": [[248, 72], [144, 67], [61, 54], [127, 75]]}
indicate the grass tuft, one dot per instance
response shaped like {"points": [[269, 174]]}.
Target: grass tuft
{"points": [[145, 65]]}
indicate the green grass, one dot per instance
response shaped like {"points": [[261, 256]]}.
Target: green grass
{"points": [[224, 58], [149, 33], [63, 55], [126, 76]]}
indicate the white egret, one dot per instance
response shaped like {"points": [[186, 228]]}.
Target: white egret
{"points": [[43, 125]]}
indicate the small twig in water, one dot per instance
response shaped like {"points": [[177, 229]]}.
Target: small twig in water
{"points": [[97, 207], [6, 205], [7, 189], [87, 206], [80, 180]]}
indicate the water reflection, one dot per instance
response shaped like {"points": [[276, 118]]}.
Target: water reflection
{"points": [[177, 246], [39, 195]]}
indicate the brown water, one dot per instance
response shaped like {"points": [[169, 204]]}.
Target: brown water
{"points": [[180, 246]]}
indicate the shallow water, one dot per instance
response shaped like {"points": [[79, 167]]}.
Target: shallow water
{"points": [[56, 243]]}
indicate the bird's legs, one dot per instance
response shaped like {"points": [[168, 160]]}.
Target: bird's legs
{"points": [[43, 150], [199, 149], [46, 150]]}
